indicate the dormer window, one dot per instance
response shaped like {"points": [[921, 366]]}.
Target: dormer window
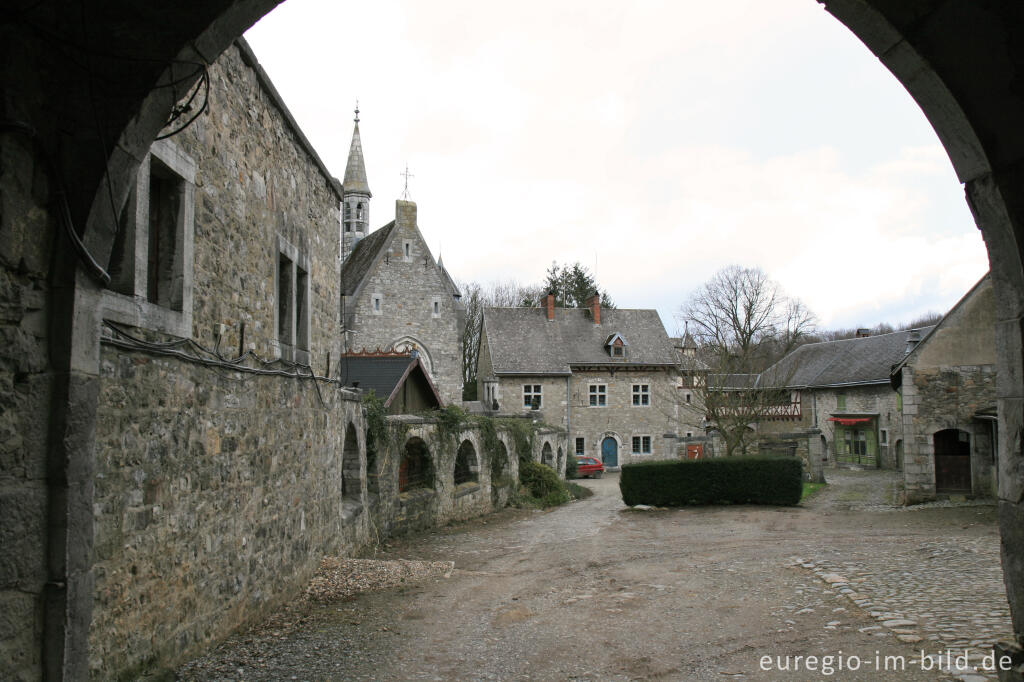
{"points": [[616, 345]]}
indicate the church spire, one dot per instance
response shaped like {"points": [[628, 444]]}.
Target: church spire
{"points": [[355, 171], [356, 192]]}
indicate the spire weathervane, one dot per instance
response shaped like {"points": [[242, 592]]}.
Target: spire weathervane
{"points": [[357, 111], [406, 174]]}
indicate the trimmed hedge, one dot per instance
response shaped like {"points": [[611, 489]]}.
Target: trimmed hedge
{"points": [[727, 480], [542, 483]]}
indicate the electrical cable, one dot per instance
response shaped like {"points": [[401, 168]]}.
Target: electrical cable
{"points": [[95, 270], [214, 360]]}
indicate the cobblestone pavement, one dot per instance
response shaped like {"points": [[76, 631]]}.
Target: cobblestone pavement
{"points": [[940, 593]]}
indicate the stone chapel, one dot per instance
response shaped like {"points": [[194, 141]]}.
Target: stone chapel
{"points": [[394, 295]]}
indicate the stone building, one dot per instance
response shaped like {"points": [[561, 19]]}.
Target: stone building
{"points": [[947, 386], [607, 376], [221, 445], [842, 389], [395, 296]]}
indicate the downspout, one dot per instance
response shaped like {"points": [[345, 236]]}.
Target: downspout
{"points": [[568, 419]]}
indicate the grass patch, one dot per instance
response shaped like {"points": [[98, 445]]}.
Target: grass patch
{"points": [[811, 489]]}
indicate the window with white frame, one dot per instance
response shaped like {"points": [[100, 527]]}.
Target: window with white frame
{"points": [[580, 447], [532, 396], [598, 395], [641, 395], [641, 445], [151, 259]]}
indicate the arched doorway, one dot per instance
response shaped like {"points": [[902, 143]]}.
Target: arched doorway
{"points": [[952, 461], [610, 452]]}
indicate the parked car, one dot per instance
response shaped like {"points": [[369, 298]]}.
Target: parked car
{"points": [[589, 466]]}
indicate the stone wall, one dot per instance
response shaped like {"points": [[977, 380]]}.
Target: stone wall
{"points": [[408, 287], [26, 380], [946, 382], [217, 493], [878, 399], [622, 420]]}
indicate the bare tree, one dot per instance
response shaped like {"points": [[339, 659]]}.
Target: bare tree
{"points": [[742, 322], [476, 297]]}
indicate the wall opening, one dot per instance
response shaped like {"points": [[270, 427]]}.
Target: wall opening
{"points": [[547, 455], [416, 470], [952, 461], [351, 475], [466, 468]]}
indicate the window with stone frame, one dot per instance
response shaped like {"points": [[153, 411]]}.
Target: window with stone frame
{"points": [[580, 447], [532, 398], [598, 395], [641, 395], [152, 256], [641, 445], [292, 305]]}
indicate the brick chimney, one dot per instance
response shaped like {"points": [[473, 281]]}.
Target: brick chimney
{"points": [[594, 303], [549, 304]]}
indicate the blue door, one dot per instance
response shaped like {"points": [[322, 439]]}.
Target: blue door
{"points": [[610, 452]]}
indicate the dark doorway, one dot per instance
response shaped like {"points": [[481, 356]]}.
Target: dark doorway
{"points": [[952, 461]]}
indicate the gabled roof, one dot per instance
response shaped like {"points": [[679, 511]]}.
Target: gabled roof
{"points": [[449, 282], [355, 171], [611, 339], [364, 255], [384, 374], [859, 361], [524, 341]]}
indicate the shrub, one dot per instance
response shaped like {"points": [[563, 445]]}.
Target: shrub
{"points": [[728, 480], [542, 483], [570, 466]]}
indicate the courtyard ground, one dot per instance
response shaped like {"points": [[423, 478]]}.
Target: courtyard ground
{"points": [[593, 590]]}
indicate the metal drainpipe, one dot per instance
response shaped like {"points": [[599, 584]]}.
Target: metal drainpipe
{"points": [[568, 415]]}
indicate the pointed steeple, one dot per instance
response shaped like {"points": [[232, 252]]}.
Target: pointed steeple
{"points": [[356, 195], [355, 171]]}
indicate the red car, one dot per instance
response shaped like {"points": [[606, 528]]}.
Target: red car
{"points": [[588, 466]]}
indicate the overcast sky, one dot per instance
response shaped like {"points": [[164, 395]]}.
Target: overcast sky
{"points": [[653, 142]]}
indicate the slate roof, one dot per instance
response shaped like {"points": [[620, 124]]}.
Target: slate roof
{"points": [[358, 265], [867, 360], [734, 382], [523, 341], [383, 375], [355, 171], [449, 282]]}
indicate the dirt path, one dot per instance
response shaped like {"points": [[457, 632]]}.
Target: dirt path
{"points": [[593, 590]]}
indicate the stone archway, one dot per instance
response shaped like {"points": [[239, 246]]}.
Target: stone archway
{"points": [[964, 81], [547, 456]]}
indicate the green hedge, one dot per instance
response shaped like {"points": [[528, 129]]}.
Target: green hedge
{"points": [[727, 480], [542, 483]]}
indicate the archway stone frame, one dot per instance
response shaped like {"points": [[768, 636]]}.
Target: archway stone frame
{"points": [[967, 82]]}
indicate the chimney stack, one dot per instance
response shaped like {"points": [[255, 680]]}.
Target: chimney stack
{"points": [[549, 304], [594, 303], [913, 338], [405, 215]]}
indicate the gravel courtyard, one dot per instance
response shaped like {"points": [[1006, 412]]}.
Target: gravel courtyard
{"points": [[594, 590]]}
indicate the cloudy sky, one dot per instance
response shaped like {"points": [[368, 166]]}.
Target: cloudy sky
{"points": [[652, 142]]}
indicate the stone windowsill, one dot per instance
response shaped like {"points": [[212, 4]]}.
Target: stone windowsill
{"points": [[466, 488]]}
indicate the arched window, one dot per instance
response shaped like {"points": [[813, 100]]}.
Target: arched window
{"points": [[351, 474], [547, 456], [466, 469], [416, 470]]}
